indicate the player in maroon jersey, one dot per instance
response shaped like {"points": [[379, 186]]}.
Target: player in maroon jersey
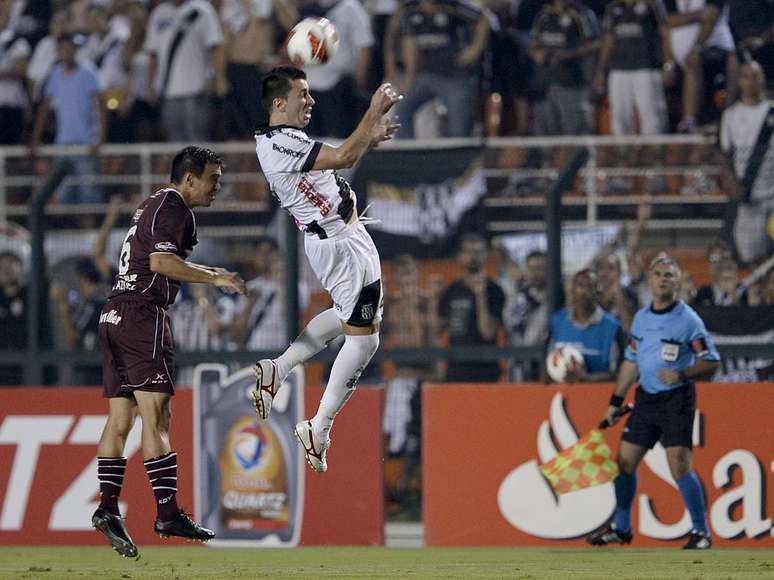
{"points": [[136, 343]]}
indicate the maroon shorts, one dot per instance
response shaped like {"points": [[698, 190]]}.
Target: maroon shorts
{"points": [[137, 352]]}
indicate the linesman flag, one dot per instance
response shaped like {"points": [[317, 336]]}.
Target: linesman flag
{"points": [[586, 464]]}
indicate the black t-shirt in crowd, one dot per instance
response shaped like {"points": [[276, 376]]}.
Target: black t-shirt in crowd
{"points": [[750, 18], [565, 29], [441, 36], [458, 308], [635, 27], [13, 320]]}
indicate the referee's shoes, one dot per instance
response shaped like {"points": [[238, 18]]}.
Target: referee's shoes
{"points": [[609, 535], [698, 540]]}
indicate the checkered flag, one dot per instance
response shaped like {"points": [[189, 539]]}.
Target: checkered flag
{"points": [[586, 464]]}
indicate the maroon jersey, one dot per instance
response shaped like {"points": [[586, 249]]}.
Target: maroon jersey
{"points": [[163, 224]]}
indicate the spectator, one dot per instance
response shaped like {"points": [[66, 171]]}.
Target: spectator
{"points": [[200, 319], [615, 297], [718, 253], [139, 107], [249, 28], [411, 321], [78, 312], [752, 25], [635, 48], [380, 12], [44, 57], [746, 125], [441, 46], [72, 91], [586, 326], [767, 290], [563, 39], [14, 53], [259, 323], [104, 49], [13, 314], [704, 48], [339, 86], [187, 59], [526, 318], [728, 291], [471, 311]]}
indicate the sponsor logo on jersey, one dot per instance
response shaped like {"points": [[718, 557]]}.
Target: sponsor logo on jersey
{"points": [[166, 247], [111, 317], [286, 151], [367, 312]]}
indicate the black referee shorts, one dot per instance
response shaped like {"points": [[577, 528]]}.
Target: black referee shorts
{"points": [[665, 417]]}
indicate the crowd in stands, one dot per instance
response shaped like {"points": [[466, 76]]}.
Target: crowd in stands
{"points": [[189, 70]]}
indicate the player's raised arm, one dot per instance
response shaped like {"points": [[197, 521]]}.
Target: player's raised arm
{"points": [[371, 131]]}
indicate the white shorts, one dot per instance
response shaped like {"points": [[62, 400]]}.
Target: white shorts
{"points": [[637, 93], [348, 267]]}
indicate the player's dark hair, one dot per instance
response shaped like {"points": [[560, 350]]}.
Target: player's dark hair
{"points": [[193, 160], [277, 83]]}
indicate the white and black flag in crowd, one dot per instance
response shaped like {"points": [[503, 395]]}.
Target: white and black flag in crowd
{"points": [[732, 325], [420, 198]]}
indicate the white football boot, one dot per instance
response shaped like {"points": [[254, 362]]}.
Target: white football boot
{"points": [[315, 449], [267, 383]]}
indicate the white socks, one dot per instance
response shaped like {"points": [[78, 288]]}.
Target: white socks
{"points": [[349, 364], [322, 329]]}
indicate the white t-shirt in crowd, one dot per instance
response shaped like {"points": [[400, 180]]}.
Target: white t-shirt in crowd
{"points": [[235, 17], [684, 37], [353, 25], [191, 66], [739, 130]]}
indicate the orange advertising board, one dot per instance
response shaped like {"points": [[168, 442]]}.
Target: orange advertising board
{"points": [[48, 483], [482, 445]]}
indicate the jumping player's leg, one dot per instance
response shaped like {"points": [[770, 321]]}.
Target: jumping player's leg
{"points": [[161, 467], [111, 464], [270, 374], [680, 465]]}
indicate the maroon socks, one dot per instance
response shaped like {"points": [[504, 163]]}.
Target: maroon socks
{"points": [[162, 472], [110, 473]]}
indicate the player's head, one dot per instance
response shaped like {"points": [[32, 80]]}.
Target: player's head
{"points": [[664, 277], [196, 173], [584, 292], [286, 97], [752, 80]]}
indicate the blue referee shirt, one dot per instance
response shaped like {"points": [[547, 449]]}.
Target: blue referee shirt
{"points": [[670, 339]]}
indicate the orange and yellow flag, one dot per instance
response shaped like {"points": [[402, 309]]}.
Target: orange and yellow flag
{"points": [[586, 464]]}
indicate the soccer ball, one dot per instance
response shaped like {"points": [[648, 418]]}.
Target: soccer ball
{"points": [[563, 360], [312, 42]]}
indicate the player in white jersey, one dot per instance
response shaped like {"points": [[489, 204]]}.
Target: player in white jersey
{"points": [[302, 174]]}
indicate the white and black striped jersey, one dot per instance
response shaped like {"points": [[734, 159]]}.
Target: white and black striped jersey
{"points": [[320, 201]]}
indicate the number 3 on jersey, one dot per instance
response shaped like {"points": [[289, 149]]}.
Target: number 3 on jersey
{"points": [[126, 250]]}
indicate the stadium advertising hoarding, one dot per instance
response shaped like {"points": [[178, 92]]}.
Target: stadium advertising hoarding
{"points": [[499, 496], [48, 484]]}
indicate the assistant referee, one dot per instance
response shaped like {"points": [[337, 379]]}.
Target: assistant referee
{"points": [[668, 349]]}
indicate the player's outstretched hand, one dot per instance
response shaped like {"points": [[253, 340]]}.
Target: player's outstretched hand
{"points": [[384, 131], [384, 98], [230, 282]]}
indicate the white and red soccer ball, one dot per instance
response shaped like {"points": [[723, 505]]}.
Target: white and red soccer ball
{"points": [[312, 42], [562, 361]]}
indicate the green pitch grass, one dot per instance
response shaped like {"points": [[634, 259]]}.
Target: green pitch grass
{"points": [[230, 564]]}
